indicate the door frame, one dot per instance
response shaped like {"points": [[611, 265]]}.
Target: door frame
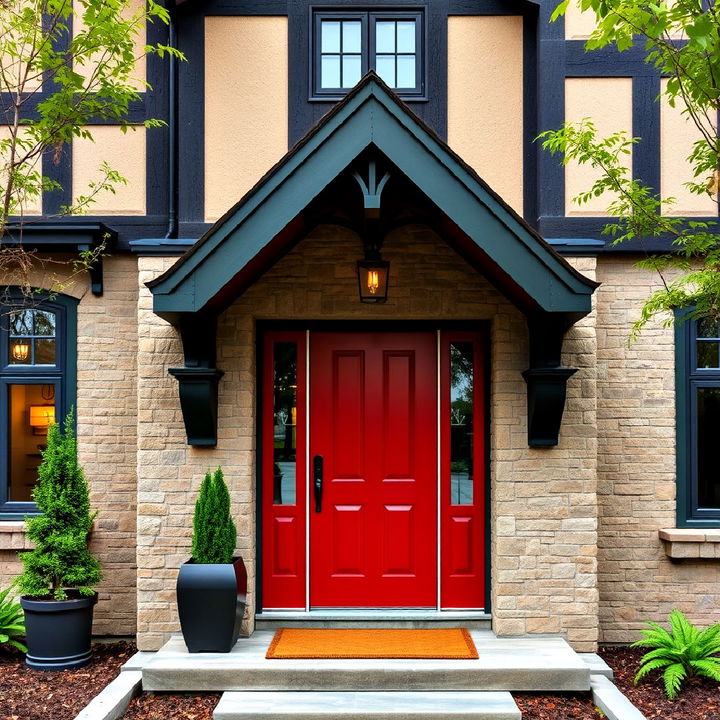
{"points": [[398, 326]]}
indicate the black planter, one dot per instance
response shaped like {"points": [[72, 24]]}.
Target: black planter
{"points": [[211, 604], [58, 632]]}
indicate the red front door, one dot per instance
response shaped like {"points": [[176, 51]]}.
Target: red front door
{"points": [[373, 426]]}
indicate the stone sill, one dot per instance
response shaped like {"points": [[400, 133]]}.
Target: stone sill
{"points": [[689, 543], [12, 536]]}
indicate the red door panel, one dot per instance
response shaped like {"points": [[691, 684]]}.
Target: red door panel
{"points": [[373, 420]]}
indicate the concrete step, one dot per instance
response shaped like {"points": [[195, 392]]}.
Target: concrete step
{"points": [[525, 663], [374, 618], [366, 706]]}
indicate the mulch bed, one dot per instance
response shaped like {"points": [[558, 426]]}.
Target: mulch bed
{"points": [[698, 700], [27, 694], [167, 706], [568, 706]]}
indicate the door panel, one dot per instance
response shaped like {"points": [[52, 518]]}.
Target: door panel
{"points": [[373, 418]]}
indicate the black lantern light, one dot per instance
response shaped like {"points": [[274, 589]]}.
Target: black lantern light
{"points": [[373, 280]]}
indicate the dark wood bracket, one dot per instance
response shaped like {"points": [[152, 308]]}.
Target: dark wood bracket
{"points": [[546, 378], [198, 380]]}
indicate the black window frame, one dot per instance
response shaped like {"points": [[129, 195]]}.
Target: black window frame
{"points": [[62, 375], [369, 18], [689, 379]]}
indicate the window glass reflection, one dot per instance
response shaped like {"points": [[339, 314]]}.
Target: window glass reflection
{"points": [[284, 423], [461, 423], [708, 431], [32, 338]]}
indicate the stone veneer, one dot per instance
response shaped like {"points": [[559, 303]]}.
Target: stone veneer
{"points": [[544, 540], [106, 411], [636, 467]]}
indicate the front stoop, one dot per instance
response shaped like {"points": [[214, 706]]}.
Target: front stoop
{"points": [[504, 664], [366, 706]]}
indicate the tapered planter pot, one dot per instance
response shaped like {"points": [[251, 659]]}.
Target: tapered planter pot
{"points": [[58, 632], [211, 603]]}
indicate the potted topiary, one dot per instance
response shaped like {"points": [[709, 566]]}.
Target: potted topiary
{"points": [[59, 574], [212, 586]]}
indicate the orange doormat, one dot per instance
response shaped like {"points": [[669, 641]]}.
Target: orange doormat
{"points": [[445, 644]]}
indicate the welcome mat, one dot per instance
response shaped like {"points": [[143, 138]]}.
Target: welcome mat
{"points": [[444, 644]]}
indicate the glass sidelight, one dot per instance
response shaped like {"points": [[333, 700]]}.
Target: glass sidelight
{"points": [[285, 423], [461, 423]]}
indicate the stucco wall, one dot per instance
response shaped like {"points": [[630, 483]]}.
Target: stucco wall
{"points": [[636, 467], [106, 420], [544, 528]]}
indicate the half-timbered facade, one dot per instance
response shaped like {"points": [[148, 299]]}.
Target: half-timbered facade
{"points": [[346, 273]]}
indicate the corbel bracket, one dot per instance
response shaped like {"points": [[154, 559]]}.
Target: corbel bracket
{"points": [[198, 380], [546, 378]]}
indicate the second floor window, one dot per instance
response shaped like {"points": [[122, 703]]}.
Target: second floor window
{"points": [[348, 44]]}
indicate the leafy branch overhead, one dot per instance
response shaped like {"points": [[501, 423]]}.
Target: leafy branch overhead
{"points": [[64, 66], [682, 42]]}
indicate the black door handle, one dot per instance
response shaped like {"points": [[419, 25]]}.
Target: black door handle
{"points": [[318, 481]]}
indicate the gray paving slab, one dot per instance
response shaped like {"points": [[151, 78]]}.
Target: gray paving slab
{"points": [[373, 618], [111, 703], [366, 706], [597, 665], [518, 663], [137, 661], [612, 702]]}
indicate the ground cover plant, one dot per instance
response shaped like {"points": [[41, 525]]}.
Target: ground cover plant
{"points": [[12, 621]]}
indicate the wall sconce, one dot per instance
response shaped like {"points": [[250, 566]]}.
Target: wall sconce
{"points": [[41, 418], [20, 350], [373, 280]]}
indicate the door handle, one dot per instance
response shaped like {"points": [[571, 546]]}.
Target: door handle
{"points": [[318, 481]]}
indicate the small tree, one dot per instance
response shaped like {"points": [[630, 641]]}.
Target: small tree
{"points": [[61, 560], [214, 532]]}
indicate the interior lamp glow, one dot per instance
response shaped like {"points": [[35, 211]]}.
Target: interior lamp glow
{"points": [[42, 416], [20, 351]]}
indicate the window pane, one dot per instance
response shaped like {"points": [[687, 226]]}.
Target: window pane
{"points": [[30, 413], [461, 423], [707, 355], [330, 36], [385, 67], [330, 71], [20, 351], [406, 71], [707, 328], [44, 352], [385, 36], [44, 322], [708, 431], [21, 322], [406, 36], [285, 422], [351, 30], [351, 70]]}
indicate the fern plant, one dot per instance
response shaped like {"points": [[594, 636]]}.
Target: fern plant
{"points": [[214, 533], [683, 651], [12, 621]]}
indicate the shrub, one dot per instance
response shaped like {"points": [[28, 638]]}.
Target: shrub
{"points": [[61, 560], [12, 621], [214, 532], [683, 651]]}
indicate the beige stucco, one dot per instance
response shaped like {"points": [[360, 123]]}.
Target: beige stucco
{"points": [[123, 152], [677, 135], [88, 67], [29, 205], [485, 99], [578, 24], [608, 103], [246, 105]]}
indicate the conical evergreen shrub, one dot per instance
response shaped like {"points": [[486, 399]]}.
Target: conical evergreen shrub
{"points": [[61, 560], [214, 533]]}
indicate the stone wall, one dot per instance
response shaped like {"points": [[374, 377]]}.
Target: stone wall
{"points": [[543, 533], [636, 467], [106, 410]]}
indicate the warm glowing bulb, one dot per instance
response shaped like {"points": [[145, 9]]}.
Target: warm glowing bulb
{"points": [[373, 281], [293, 416], [20, 351]]}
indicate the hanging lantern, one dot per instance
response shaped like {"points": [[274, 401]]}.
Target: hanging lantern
{"points": [[373, 280]]}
